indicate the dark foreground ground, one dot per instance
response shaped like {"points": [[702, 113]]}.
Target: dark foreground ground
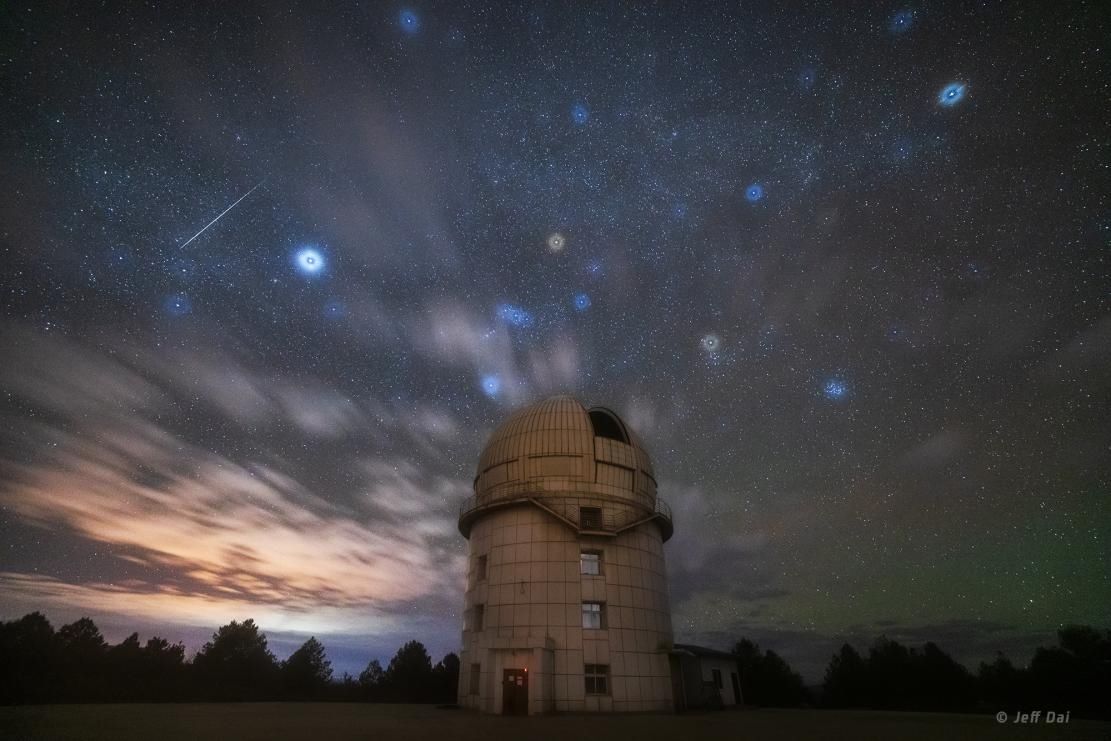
{"points": [[336, 722]]}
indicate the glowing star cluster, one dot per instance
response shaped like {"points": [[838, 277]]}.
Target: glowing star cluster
{"points": [[309, 260], [514, 315], [952, 94], [835, 389]]}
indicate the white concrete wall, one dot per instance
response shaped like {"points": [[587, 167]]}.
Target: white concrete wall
{"points": [[533, 592]]}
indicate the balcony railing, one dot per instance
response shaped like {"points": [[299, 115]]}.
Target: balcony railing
{"points": [[566, 507]]}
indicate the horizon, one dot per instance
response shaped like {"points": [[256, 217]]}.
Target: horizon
{"points": [[274, 278]]}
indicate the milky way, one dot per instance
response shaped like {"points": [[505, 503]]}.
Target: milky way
{"points": [[843, 269]]}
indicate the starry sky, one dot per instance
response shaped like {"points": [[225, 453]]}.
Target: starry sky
{"points": [[273, 274]]}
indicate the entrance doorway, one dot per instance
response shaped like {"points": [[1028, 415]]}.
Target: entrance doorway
{"points": [[736, 687], [514, 692]]}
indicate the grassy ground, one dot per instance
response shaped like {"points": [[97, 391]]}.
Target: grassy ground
{"points": [[336, 722]]}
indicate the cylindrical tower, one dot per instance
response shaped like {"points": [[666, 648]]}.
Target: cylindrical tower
{"points": [[566, 606]]}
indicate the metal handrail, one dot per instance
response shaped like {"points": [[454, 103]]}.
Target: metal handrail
{"points": [[610, 523]]}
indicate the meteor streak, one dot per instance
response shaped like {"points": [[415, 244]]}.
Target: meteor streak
{"points": [[229, 208]]}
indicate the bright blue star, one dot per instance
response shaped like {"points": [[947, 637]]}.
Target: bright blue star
{"points": [[491, 385], [754, 192], [177, 304], [514, 315], [679, 210], [309, 260], [952, 94], [835, 389], [901, 21], [581, 301], [409, 21], [580, 114]]}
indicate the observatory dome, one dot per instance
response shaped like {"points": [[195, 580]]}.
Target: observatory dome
{"points": [[558, 449]]}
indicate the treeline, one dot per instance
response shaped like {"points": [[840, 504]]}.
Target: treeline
{"points": [[76, 664], [1074, 675]]}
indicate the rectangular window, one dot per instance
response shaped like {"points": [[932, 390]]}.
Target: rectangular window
{"points": [[590, 518], [476, 677], [481, 569], [594, 615], [597, 679], [717, 678], [590, 563], [479, 615]]}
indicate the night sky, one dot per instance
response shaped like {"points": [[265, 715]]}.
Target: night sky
{"points": [[272, 276]]}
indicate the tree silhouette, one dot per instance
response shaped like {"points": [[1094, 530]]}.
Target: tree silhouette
{"points": [[1003, 686], [1075, 674], [75, 664], [82, 653], [28, 660], [846, 680], [372, 681], [445, 676], [938, 682], [766, 679], [307, 673], [126, 678], [408, 677], [236, 664]]}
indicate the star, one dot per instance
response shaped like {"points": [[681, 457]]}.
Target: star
{"points": [[580, 114], [952, 94], [581, 302], [491, 385], [177, 304], [556, 242], [901, 22], [335, 309], [309, 261], [807, 77], [409, 21], [754, 193], [711, 343]]}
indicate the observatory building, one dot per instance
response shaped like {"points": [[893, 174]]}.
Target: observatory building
{"points": [[566, 605]]}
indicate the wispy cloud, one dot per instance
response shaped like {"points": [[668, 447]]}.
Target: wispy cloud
{"points": [[213, 537]]}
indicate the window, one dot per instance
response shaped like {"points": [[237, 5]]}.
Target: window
{"points": [[479, 614], [597, 679], [476, 677], [717, 678], [590, 518], [606, 424], [590, 563], [594, 615], [481, 569]]}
